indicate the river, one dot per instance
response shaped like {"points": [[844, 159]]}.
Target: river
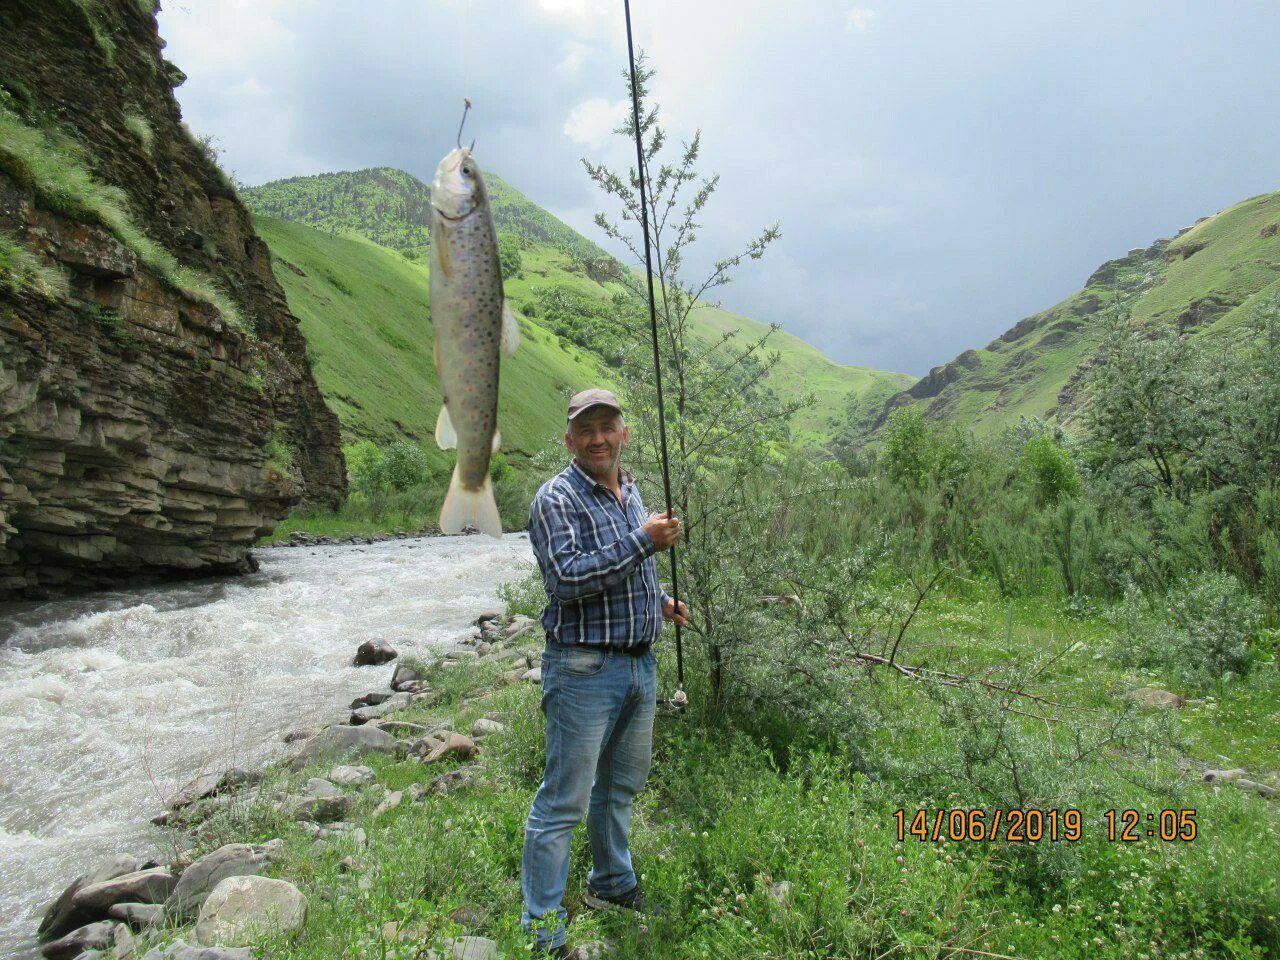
{"points": [[111, 701]]}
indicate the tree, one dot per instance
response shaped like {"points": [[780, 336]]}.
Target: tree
{"points": [[509, 255], [723, 425]]}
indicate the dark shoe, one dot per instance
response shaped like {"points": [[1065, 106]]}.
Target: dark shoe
{"points": [[633, 899]]}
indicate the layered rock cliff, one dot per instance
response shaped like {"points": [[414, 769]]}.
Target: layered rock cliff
{"points": [[157, 407]]}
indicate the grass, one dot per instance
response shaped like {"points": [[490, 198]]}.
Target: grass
{"points": [[384, 384], [137, 125], [20, 269], [53, 166], [727, 818]]}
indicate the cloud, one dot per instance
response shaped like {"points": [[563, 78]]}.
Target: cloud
{"points": [[593, 121], [859, 18]]}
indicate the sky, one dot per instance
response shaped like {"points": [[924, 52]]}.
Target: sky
{"points": [[938, 169]]}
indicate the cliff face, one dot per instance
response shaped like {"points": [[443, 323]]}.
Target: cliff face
{"points": [[157, 407]]}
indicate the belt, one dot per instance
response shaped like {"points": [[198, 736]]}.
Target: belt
{"points": [[636, 651]]}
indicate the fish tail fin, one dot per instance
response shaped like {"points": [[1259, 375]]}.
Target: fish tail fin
{"points": [[474, 507]]}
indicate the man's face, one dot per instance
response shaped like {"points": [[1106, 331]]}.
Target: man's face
{"points": [[597, 436]]}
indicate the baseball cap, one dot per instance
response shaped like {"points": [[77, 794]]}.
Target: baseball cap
{"points": [[594, 397]]}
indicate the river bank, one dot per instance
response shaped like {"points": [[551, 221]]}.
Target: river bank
{"points": [[111, 702], [758, 845]]}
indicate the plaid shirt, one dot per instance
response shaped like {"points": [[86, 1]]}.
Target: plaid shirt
{"points": [[596, 561]]}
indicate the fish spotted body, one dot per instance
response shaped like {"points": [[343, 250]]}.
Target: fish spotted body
{"points": [[472, 327]]}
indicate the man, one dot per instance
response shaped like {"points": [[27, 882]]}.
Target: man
{"points": [[605, 607]]}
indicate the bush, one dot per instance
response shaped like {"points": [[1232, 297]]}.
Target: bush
{"points": [[1199, 634], [1048, 470], [509, 255], [917, 452]]}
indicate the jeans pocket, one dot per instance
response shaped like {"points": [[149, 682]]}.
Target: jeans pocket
{"points": [[582, 662]]}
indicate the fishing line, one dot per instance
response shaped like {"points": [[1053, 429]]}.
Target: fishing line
{"points": [[680, 698]]}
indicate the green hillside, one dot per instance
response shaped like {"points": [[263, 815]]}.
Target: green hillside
{"points": [[373, 346], [365, 314], [1207, 279]]}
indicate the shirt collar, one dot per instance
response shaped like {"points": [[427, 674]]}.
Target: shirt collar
{"points": [[588, 482]]}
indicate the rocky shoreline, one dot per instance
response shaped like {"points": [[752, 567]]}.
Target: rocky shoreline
{"points": [[213, 906]]}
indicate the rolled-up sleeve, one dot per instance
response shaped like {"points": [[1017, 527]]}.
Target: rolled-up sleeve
{"points": [[570, 572]]}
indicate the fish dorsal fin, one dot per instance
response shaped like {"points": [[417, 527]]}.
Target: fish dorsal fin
{"points": [[510, 330], [446, 436]]}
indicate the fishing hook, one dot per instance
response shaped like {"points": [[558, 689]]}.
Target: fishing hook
{"points": [[466, 107]]}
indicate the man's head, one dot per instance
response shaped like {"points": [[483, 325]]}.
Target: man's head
{"points": [[596, 432]]}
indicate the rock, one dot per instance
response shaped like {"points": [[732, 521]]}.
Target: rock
{"points": [[402, 728], [397, 701], [472, 948], [483, 648], [341, 740], [212, 784], [485, 726], [373, 653], [457, 655], [345, 776], [181, 950], [455, 779], [322, 803], [780, 892], [199, 879], [138, 915], [293, 736], [591, 950], [1153, 697], [349, 865], [1224, 775], [487, 616], [99, 935], [1261, 789], [370, 700], [404, 674], [141, 886], [242, 908], [389, 802], [520, 626], [533, 675], [62, 916], [455, 745]]}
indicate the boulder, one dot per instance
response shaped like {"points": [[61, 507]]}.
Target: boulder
{"points": [[342, 740], [485, 617], [242, 908], [485, 726], [1261, 789], [345, 776], [404, 674], [520, 626], [181, 950], [533, 675], [211, 784], [370, 700], [199, 879], [373, 653], [397, 701], [389, 802], [472, 948], [139, 916], [141, 886], [454, 745], [100, 935], [62, 915], [1154, 697], [1224, 776]]}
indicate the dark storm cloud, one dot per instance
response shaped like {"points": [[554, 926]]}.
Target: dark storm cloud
{"points": [[939, 169]]}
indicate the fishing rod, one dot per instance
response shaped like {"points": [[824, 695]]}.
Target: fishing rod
{"points": [[679, 699]]}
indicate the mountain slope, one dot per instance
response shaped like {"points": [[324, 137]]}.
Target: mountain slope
{"points": [[391, 208], [1207, 279], [364, 311]]}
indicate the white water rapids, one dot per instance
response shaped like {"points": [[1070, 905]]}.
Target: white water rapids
{"points": [[110, 702]]}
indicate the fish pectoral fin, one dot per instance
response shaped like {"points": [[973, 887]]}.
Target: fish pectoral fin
{"points": [[510, 330], [497, 441], [446, 436]]}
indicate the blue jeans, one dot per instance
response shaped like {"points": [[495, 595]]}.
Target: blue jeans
{"points": [[599, 706]]}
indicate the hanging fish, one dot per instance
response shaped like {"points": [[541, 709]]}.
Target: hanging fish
{"points": [[472, 324]]}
